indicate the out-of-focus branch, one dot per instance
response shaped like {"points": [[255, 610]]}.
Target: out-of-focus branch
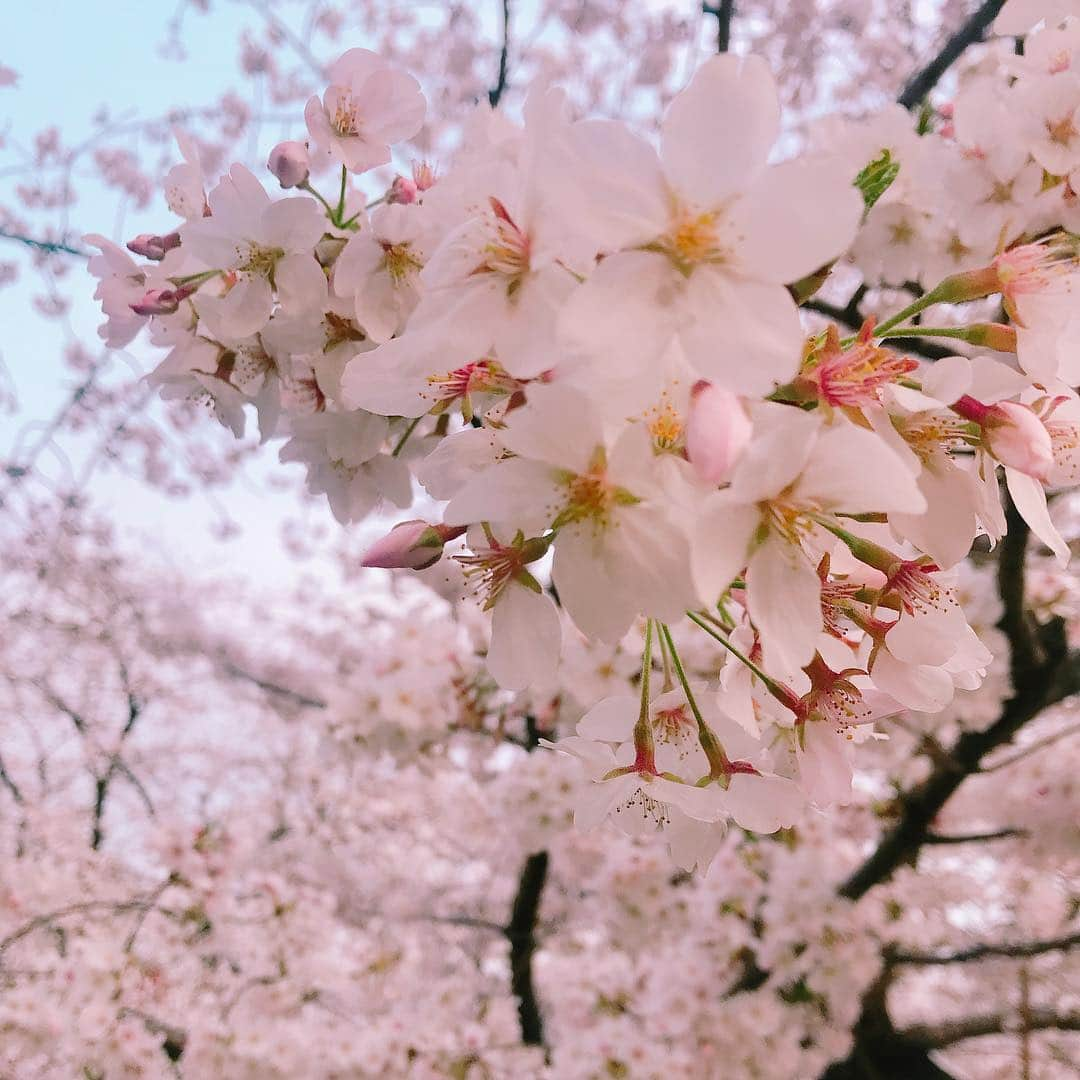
{"points": [[1032, 748], [937, 1036], [283, 692], [929, 76], [723, 12], [496, 92], [46, 247], [521, 933], [980, 952], [1043, 673], [6, 780]]}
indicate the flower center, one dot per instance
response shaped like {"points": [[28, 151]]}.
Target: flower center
{"points": [[693, 238], [260, 260], [345, 120], [506, 251], [400, 262]]}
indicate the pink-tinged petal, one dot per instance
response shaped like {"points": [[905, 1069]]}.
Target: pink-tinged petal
{"points": [[589, 592], [777, 454], [301, 284], [797, 218], [380, 383], [598, 799], [763, 804], [1030, 500], [915, 686], [926, 638], [557, 425], [741, 334], [783, 594], [850, 469], [526, 638], [700, 803], [244, 310], [825, 770], [649, 557], [720, 544], [717, 134], [525, 336], [519, 492], [611, 188], [717, 432], [947, 529], [294, 224], [610, 720], [624, 313]]}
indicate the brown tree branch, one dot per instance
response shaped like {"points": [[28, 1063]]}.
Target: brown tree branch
{"points": [[987, 949], [937, 1036]]}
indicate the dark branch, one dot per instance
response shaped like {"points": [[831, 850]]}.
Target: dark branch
{"points": [[521, 933], [496, 92], [974, 838], [980, 952], [1043, 673], [723, 12], [972, 31], [295, 696], [936, 1036], [5, 779]]}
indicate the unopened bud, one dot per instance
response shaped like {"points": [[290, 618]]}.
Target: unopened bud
{"points": [[289, 162], [996, 336], [162, 301], [412, 545], [150, 246], [1013, 434], [402, 190], [423, 176], [717, 431]]}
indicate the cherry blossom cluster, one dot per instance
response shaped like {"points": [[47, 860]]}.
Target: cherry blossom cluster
{"points": [[278, 888], [588, 347]]}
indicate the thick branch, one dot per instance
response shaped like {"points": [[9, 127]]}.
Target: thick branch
{"points": [[521, 933], [972, 31], [980, 952], [936, 1036]]}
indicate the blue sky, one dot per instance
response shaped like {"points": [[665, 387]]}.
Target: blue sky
{"points": [[107, 55]]}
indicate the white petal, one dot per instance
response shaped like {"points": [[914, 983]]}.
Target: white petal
{"points": [[1030, 499], [797, 218], [784, 599], [526, 638], [718, 132]]}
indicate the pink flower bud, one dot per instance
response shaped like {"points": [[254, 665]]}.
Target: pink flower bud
{"points": [[162, 301], [1018, 439], [402, 190], [423, 176], [150, 246], [717, 431], [412, 545], [289, 162]]}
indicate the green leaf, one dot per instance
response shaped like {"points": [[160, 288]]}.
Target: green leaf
{"points": [[876, 178]]}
